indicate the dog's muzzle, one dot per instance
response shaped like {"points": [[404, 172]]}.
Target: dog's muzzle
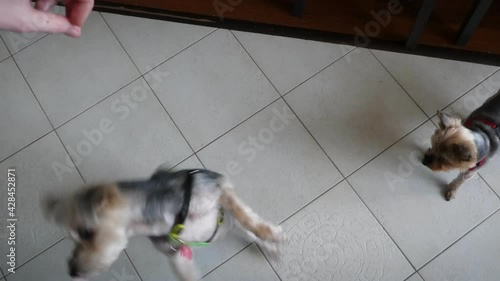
{"points": [[428, 159]]}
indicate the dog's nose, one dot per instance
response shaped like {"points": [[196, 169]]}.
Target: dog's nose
{"points": [[428, 158]]}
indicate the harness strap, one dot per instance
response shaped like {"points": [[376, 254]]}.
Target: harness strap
{"points": [[182, 215], [468, 123], [220, 220], [175, 241]]}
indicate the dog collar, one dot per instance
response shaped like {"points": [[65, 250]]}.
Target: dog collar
{"points": [[175, 242], [479, 164], [468, 124]]}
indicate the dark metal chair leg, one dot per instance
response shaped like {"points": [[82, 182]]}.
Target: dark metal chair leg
{"points": [[422, 18], [298, 8], [473, 20]]}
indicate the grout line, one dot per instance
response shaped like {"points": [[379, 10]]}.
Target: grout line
{"points": [[382, 226], [315, 140], [197, 157], [35, 256], [175, 166], [345, 177], [133, 265], [395, 80], [281, 97], [5, 59], [465, 92], [1, 60], [268, 262], [300, 84], [234, 127], [33, 93], [459, 238], [10, 55], [54, 129], [389, 147], [494, 192], [311, 202], [468, 91], [48, 119], [18, 51], [420, 275], [250, 56], [19, 150], [93, 105], [290, 91], [98, 102], [69, 155], [222, 263], [411, 275], [174, 55], [147, 83], [170, 117]]}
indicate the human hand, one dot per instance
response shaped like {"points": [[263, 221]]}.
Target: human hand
{"points": [[19, 16]]}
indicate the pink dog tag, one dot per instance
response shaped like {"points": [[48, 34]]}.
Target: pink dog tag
{"points": [[186, 252]]}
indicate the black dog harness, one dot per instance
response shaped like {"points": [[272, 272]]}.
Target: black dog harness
{"points": [[468, 123], [173, 236]]}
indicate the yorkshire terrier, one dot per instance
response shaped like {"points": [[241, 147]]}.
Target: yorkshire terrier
{"points": [[175, 210], [465, 146]]}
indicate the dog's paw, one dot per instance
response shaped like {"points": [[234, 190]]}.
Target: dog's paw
{"points": [[276, 234], [272, 250], [269, 232], [450, 194]]}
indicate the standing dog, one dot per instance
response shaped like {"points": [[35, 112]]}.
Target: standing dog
{"points": [[465, 146], [176, 210]]}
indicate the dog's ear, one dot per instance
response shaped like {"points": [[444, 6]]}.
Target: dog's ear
{"points": [[462, 151], [102, 197], [445, 120]]}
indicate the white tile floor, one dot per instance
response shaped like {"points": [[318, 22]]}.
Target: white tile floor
{"points": [[324, 139]]}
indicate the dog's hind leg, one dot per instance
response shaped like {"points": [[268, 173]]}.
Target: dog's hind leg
{"points": [[247, 218]]}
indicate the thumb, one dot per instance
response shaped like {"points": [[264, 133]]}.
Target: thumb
{"points": [[42, 21]]}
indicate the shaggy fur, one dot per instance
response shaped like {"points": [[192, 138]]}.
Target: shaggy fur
{"points": [[456, 147], [102, 218]]}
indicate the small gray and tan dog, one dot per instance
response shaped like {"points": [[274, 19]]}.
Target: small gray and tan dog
{"points": [[465, 146], [175, 209]]}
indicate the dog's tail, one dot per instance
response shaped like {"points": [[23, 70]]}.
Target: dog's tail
{"points": [[247, 218]]}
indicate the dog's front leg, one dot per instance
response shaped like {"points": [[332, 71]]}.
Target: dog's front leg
{"points": [[456, 183], [184, 267]]}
